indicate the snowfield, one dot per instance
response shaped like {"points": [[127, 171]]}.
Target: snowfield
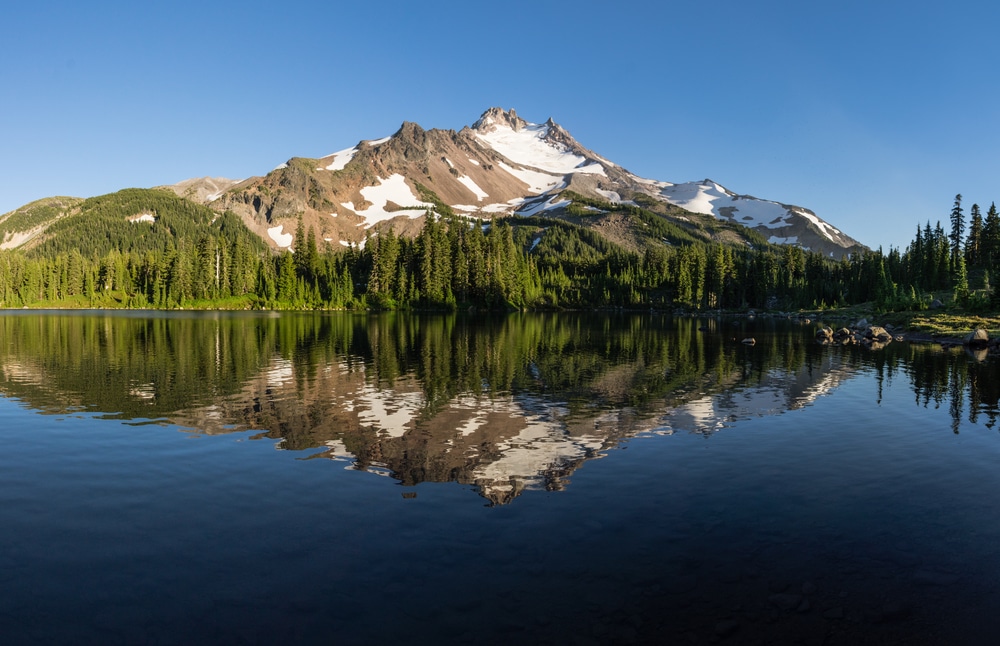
{"points": [[467, 182], [544, 205], [537, 182], [611, 196], [822, 226], [341, 157], [710, 198], [283, 240], [395, 190], [528, 147]]}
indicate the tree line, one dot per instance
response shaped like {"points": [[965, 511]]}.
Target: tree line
{"points": [[506, 263]]}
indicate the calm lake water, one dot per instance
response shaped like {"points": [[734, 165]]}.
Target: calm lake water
{"points": [[563, 479]]}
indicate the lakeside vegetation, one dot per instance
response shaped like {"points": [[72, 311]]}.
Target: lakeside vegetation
{"points": [[185, 255]]}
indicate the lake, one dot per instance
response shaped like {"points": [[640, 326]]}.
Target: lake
{"points": [[525, 478]]}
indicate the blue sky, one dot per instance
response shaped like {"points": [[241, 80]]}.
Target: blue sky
{"points": [[872, 114]]}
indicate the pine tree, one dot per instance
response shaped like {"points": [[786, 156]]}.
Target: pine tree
{"points": [[973, 244], [957, 230], [991, 237], [961, 282]]}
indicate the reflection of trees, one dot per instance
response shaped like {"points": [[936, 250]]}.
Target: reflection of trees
{"points": [[939, 374], [497, 402]]}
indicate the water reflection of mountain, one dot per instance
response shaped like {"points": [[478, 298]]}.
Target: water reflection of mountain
{"points": [[506, 404], [774, 393]]}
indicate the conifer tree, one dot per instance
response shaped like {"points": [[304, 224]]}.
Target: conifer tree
{"points": [[957, 230], [973, 244], [991, 237]]}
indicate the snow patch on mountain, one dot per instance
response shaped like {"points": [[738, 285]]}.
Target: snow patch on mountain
{"points": [[467, 182], [612, 196], [537, 182], [544, 205], [697, 197], [821, 225], [501, 207], [780, 240], [710, 198], [528, 146], [395, 190], [340, 158], [283, 240]]}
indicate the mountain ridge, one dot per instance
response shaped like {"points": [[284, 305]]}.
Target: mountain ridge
{"points": [[500, 165]]}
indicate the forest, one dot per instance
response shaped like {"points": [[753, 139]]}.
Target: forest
{"points": [[191, 257]]}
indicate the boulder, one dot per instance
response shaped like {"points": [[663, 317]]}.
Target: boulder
{"points": [[936, 304], [977, 338], [878, 333], [861, 325], [749, 341], [824, 334], [842, 333]]}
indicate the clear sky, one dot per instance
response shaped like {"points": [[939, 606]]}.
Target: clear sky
{"points": [[873, 114]]}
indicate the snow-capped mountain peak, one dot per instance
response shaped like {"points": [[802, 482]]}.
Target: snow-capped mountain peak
{"points": [[502, 164], [543, 147]]}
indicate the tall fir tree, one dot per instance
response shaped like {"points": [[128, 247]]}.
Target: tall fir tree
{"points": [[957, 230], [974, 243], [991, 237]]}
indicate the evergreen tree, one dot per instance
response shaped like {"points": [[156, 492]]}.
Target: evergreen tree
{"points": [[973, 244], [957, 230], [991, 237], [961, 282]]}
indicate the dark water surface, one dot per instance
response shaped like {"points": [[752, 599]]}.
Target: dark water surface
{"points": [[563, 479]]}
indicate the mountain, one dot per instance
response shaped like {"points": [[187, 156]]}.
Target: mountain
{"points": [[501, 165]]}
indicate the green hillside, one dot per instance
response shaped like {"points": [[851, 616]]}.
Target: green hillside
{"points": [[131, 220]]}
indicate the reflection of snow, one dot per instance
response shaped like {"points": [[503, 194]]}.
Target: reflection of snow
{"points": [[540, 446], [387, 411], [777, 393], [280, 373]]}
